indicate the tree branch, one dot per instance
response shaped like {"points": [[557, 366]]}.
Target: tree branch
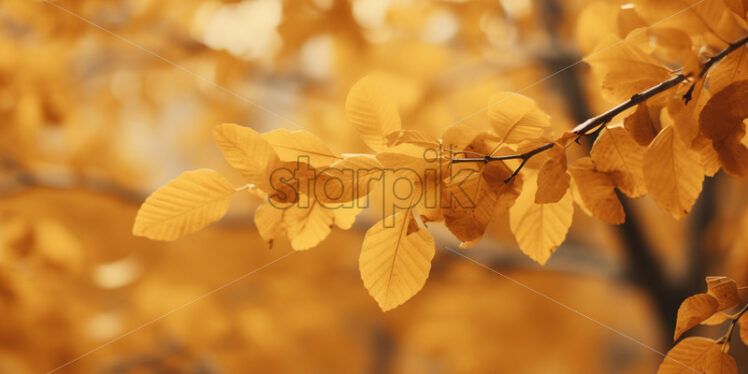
{"points": [[597, 122]]}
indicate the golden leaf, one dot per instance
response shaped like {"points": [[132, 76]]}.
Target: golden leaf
{"points": [[395, 261], [185, 205], [732, 68], [307, 226], [694, 310], [516, 118], [269, 222], [743, 322], [640, 125], [246, 151], [540, 228], [673, 173], [553, 180], [616, 152], [624, 69], [597, 191], [722, 122], [347, 180], [300, 146], [475, 196], [719, 362], [724, 290], [373, 111], [688, 356]]}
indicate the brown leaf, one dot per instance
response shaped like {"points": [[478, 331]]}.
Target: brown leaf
{"points": [[693, 311], [725, 290], [553, 180], [722, 122], [640, 125]]}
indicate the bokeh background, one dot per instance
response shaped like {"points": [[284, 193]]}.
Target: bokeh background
{"points": [[102, 101]]}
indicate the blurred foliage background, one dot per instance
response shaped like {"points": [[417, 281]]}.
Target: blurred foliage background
{"points": [[103, 101]]}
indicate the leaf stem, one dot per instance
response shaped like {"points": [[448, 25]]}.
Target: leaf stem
{"points": [[735, 318]]}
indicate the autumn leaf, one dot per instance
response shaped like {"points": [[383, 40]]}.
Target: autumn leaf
{"points": [[373, 111], [624, 68], [616, 152], [553, 180], [722, 122], [743, 322], [673, 173], [300, 146], [185, 205], [246, 151], [269, 222], [597, 191], [308, 226], [733, 68], [640, 125], [475, 196], [347, 180], [540, 228], [395, 261], [516, 118], [688, 355], [724, 290], [693, 311]]}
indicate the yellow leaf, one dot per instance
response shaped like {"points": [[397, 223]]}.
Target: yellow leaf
{"points": [[624, 69], [373, 111], [724, 290], [516, 118], [722, 122], [743, 322], [185, 205], [616, 152], [719, 362], [732, 68], [673, 173], [739, 7], [344, 217], [395, 261], [412, 137], [300, 146], [269, 222], [246, 151], [307, 226], [473, 197], [597, 192], [640, 126], [347, 180], [688, 356], [693, 311], [540, 228], [553, 180]]}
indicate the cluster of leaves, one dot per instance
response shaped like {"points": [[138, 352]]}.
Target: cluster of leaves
{"points": [[663, 148], [703, 354]]}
